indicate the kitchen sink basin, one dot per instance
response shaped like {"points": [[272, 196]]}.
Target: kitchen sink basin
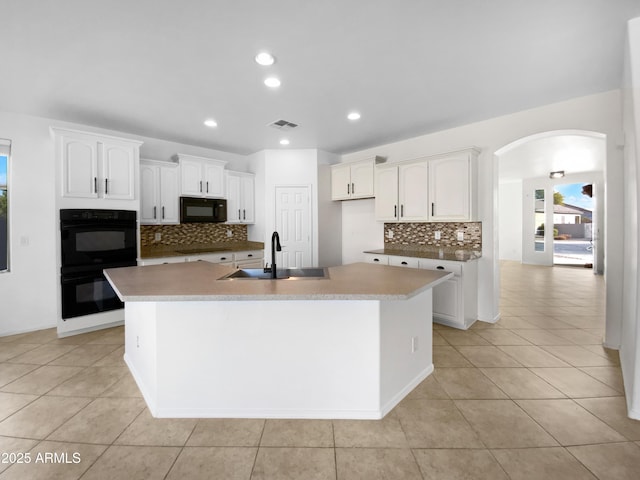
{"points": [[282, 274]]}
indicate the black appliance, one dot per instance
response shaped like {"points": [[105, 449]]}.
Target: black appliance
{"points": [[92, 240], [203, 210]]}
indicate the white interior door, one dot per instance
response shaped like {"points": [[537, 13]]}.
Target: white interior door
{"points": [[293, 224], [537, 223]]}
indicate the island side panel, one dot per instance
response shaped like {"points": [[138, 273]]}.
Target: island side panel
{"points": [[140, 352], [406, 350], [268, 359]]}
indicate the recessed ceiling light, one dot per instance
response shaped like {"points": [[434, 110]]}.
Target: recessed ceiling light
{"points": [[558, 174], [284, 141], [353, 116], [210, 122], [272, 82], [265, 59]]}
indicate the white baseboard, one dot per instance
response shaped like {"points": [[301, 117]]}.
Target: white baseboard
{"points": [[397, 398]]}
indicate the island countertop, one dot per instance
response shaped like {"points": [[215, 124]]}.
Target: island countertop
{"points": [[200, 281]]}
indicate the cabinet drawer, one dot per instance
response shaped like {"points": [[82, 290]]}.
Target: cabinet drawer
{"points": [[380, 259], [248, 255], [160, 260], [447, 266], [257, 263], [213, 257], [410, 262]]}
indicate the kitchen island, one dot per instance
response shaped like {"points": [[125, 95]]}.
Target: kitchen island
{"points": [[348, 346]]}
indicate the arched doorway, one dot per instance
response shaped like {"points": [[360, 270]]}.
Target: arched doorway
{"points": [[528, 197]]}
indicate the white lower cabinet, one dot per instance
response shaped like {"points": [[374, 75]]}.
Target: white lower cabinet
{"points": [[455, 301]]}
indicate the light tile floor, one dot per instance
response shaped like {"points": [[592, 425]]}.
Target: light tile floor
{"points": [[532, 396]]}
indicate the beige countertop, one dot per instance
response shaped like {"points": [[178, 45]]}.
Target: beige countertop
{"points": [[200, 281], [435, 253], [159, 251]]}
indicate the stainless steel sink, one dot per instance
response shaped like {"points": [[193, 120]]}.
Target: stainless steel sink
{"points": [[282, 274]]}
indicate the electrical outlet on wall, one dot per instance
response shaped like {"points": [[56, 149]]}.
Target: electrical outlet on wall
{"points": [[460, 236], [229, 233], [157, 237], [437, 235], [390, 234]]}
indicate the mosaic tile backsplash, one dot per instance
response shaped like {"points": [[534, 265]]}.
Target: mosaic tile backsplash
{"points": [[188, 233], [422, 235]]}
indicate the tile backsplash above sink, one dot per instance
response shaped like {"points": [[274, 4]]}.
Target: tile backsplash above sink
{"points": [[191, 233], [423, 235]]}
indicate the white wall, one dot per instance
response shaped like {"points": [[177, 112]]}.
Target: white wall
{"points": [[630, 335], [28, 293], [510, 218], [329, 215], [598, 113]]}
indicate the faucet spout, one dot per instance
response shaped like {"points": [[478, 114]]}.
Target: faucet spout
{"points": [[275, 247]]}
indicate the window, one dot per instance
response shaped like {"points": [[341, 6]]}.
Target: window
{"points": [[5, 146]]}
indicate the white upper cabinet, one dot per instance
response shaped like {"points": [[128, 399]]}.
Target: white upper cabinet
{"points": [[353, 180], [240, 197], [412, 192], [439, 188], [159, 198], [96, 166], [386, 203], [401, 192], [201, 177], [452, 181]]}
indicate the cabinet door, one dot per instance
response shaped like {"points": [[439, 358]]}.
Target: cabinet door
{"points": [[191, 178], [446, 300], [362, 180], [213, 181], [449, 189], [234, 213], [118, 171], [340, 182], [386, 202], [247, 198], [79, 167], [169, 195], [149, 194], [412, 192]]}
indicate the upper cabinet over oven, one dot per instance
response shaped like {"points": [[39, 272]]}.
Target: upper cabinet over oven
{"points": [[201, 177], [97, 166]]}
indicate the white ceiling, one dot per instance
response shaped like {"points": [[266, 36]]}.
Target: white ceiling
{"points": [[158, 68]]}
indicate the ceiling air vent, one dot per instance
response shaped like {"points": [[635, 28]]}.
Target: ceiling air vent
{"points": [[283, 125]]}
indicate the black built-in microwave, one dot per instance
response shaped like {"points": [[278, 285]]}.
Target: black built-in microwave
{"points": [[203, 210]]}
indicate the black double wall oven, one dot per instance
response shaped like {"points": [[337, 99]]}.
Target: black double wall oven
{"points": [[92, 240]]}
